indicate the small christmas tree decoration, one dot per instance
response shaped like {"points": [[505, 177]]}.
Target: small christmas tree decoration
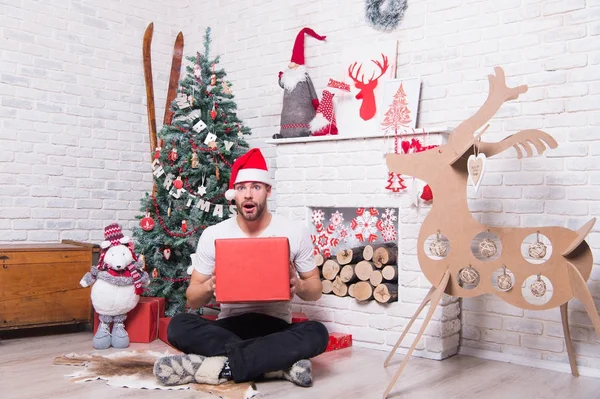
{"points": [[469, 275], [538, 249], [182, 102], [167, 253], [538, 287], [438, 247], [202, 189], [197, 71], [184, 226], [212, 145], [155, 273], [228, 145], [488, 247], [213, 112], [157, 152], [147, 223], [226, 88], [142, 259], [178, 183], [426, 194], [504, 281], [195, 161], [210, 137], [213, 77], [395, 182]]}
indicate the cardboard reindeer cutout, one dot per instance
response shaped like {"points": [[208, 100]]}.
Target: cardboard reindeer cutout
{"points": [[454, 269]]}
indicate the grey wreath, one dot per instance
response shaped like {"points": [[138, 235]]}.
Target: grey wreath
{"points": [[385, 18]]}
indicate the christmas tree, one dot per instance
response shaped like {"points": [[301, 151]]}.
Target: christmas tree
{"points": [[395, 182], [191, 169], [398, 115]]}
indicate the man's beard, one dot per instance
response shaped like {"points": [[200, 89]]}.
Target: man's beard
{"points": [[256, 212]]}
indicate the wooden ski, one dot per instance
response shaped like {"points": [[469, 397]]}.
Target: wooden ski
{"points": [[146, 53], [174, 77]]}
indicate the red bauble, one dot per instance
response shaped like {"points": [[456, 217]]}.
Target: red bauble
{"points": [[427, 195], [155, 273], [178, 183], [183, 226], [147, 223], [213, 114]]}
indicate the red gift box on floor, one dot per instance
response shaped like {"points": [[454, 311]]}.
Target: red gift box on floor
{"points": [[142, 321], [252, 269], [339, 341]]}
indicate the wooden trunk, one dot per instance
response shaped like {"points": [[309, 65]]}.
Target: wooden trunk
{"points": [[327, 287], [339, 288], [351, 290], [386, 293], [330, 269], [348, 256], [363, 270], [390, 273], [385, 256], [348, 275], [319, 260], [368, 252], [40, 284], [362, 291], [376, 278]]}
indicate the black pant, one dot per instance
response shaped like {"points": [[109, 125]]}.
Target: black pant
{"points": [[254, 343]]}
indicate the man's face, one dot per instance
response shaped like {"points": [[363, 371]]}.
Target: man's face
{"points": [[251, 199]]}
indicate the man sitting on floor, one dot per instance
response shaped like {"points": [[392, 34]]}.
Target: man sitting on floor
{"points": [[252, 340]]}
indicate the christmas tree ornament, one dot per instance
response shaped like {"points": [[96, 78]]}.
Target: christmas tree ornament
{"points": [[538, 249], [178, 183], [197, 71], [487, 247], [504, 281], [240, 134], [182, 102], [184, 226], [226, 88], [213, 77], [195, 161], [167, 253], [476, 163], [155, 273], [469, 275], [217, 167], [199, 126], [213, 112], [147, 223], [157, 152], [212, 145], [426, 194], [538, 287], [169, 209], [228, 145], [202, 189], [142, 260], [173, 155], [438, 247]]}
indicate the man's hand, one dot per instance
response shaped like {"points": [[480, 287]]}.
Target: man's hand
{"points": [[211, 284], [295, 282]]}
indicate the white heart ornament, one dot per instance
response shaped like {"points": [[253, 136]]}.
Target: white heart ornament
{"points": [[476, 168]]}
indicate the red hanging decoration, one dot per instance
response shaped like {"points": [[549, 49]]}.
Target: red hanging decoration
{"points": [[213, 113], [184, 226], [395, 182], [173, 155], [167, 253], [155, 273], [178, 183], [147, 223], [427, 195], [213, 77]]}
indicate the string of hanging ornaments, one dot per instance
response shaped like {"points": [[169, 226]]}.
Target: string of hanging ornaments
{"points": [[385, 15]]}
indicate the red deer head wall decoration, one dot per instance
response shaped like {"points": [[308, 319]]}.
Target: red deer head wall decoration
{"points": [[368, 108], [445, 170]]}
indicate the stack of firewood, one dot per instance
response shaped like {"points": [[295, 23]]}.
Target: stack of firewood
{"points": [[365, 273]]}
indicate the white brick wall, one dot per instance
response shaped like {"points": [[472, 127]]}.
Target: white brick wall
{"points": [[74, 142], [73, 145]]}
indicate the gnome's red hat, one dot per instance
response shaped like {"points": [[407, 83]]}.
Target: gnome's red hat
{"points": [[249, 167], [298, 52]]}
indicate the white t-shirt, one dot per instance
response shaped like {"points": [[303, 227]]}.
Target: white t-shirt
{"points": [[301, 253]]}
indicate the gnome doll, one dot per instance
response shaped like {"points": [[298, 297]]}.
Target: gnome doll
{"points": [[324, 121], [300, 99]]}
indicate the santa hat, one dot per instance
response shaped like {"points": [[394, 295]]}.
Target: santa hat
{"points": [[249, 167], [324, 121], [298, 51]]}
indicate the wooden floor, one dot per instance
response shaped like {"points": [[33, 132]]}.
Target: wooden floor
{"points": [[26, 372]]}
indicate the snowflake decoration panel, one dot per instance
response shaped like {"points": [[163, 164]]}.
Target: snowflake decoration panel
{"points": [[336, 229]]}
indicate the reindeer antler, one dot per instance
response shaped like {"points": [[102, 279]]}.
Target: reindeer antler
{"points": [[462, 138]]}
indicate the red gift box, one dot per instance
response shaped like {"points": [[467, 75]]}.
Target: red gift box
{"points": [[142, 321], [339, 341], [252, 269]]}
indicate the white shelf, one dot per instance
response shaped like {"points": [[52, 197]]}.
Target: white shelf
{"points": [[316, 139]]}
